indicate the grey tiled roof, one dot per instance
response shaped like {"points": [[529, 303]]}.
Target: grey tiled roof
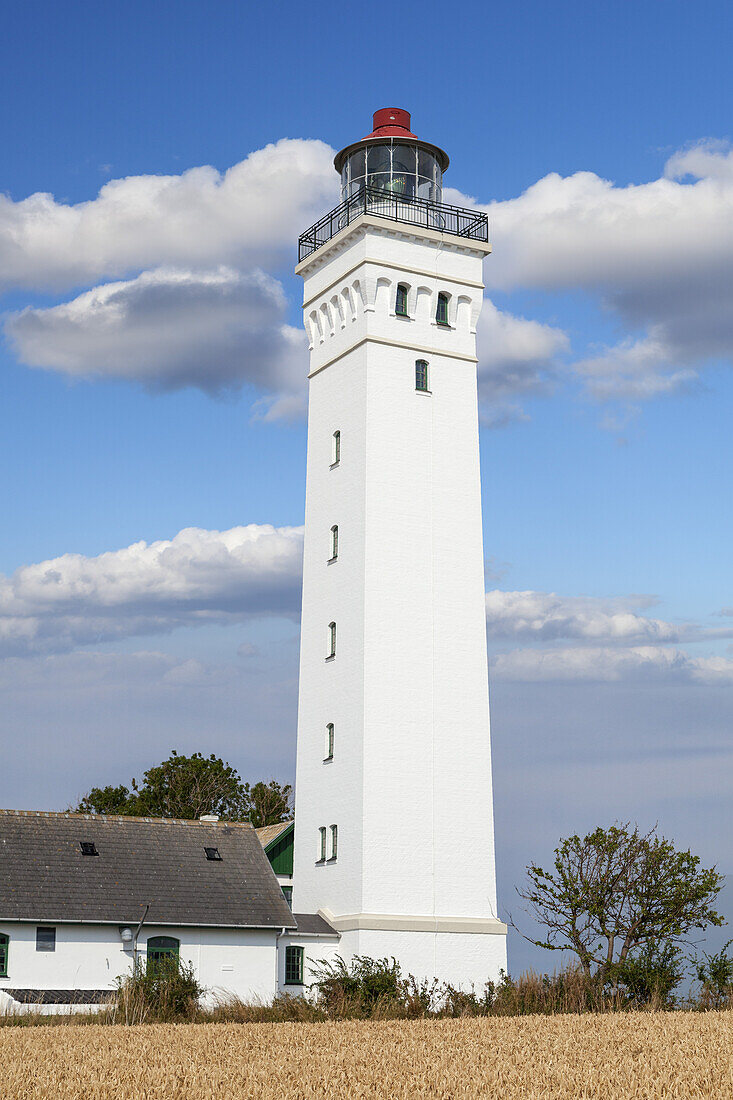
{"points": [[45, 877], [313, 924]]}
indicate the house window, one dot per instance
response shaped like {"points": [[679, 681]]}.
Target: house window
{"points": [[213, 854], [441, 314], [336, 450], [4, 942], [331, 640], [162, 953], [294, 965], [421, 375], [329, 742], [288, 894], [334, 543], [334, 841], [322, 844], [88, 848], [401, 301], [45, 939]]}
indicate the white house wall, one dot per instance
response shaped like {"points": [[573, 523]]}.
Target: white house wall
{"points": [[238, 962]]}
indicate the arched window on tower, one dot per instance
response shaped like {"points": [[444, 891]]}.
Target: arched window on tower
{"points": [[421, 375], [401, 301], [329, 742], [334, 542], [441, 313], [331, 640], [322, 834], [334, 841], [336, 450]]}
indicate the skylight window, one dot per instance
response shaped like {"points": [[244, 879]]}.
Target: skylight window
{"points": [[88, 848], [212, 853]]}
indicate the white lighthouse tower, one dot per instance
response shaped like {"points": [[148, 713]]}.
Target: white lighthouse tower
{"points": [[394, 841]]}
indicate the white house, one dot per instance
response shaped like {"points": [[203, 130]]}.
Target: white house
{"points": [[81, 896]]}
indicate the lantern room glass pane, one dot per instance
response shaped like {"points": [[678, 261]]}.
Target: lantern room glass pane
{"points": [[378, 159]]}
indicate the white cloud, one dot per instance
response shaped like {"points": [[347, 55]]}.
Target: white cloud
{"points": [[245, 216], [170, 328], [609, 664], [516, 356], [197, 578], [660, 254], [546, 616]]}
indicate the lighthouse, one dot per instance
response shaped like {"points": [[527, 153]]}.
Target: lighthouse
{"points": [[394, 837]]}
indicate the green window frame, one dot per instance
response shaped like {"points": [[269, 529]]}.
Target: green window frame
{"points": [[334, 841], [4, 949], [421, 375], [160, 950], [441, 313], [322, 832], [329, 741], [400, 307], [294, 965]]}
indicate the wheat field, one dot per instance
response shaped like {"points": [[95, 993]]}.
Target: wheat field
{"points": [[636, 1055]]}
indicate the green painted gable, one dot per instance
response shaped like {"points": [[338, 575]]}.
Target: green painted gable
{"points": [[280, 852]]}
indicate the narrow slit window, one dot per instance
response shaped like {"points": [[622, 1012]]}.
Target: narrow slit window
{"points": [[421, 375], [401, 301], [294, 965], [336, 451], [334, 542], [322, 844], [334, 841], [332, 639], [441, 314], [4, 945], [329, 742]]}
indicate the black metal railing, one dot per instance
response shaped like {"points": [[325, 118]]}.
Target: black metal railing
{"points": [[384, 204]]}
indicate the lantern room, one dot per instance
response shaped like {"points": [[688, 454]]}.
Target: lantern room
{"points": [[393, 161]]}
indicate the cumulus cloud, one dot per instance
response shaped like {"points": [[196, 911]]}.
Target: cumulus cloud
{"points": [[246, 216], [609, 664], [197, 578], [545, 616], [659, 254], [170, 328], [516, 360]]}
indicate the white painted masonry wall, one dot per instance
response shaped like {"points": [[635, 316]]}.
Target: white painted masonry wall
{"points": [[234, 961], [410, 784]]}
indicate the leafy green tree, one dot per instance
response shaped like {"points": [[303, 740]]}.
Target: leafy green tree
{"points": [[268, 803], [651, 974], [190, 786], [616, 890], [716, 975]]}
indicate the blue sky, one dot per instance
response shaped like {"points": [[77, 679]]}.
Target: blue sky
{"points": [[153, 366]]}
